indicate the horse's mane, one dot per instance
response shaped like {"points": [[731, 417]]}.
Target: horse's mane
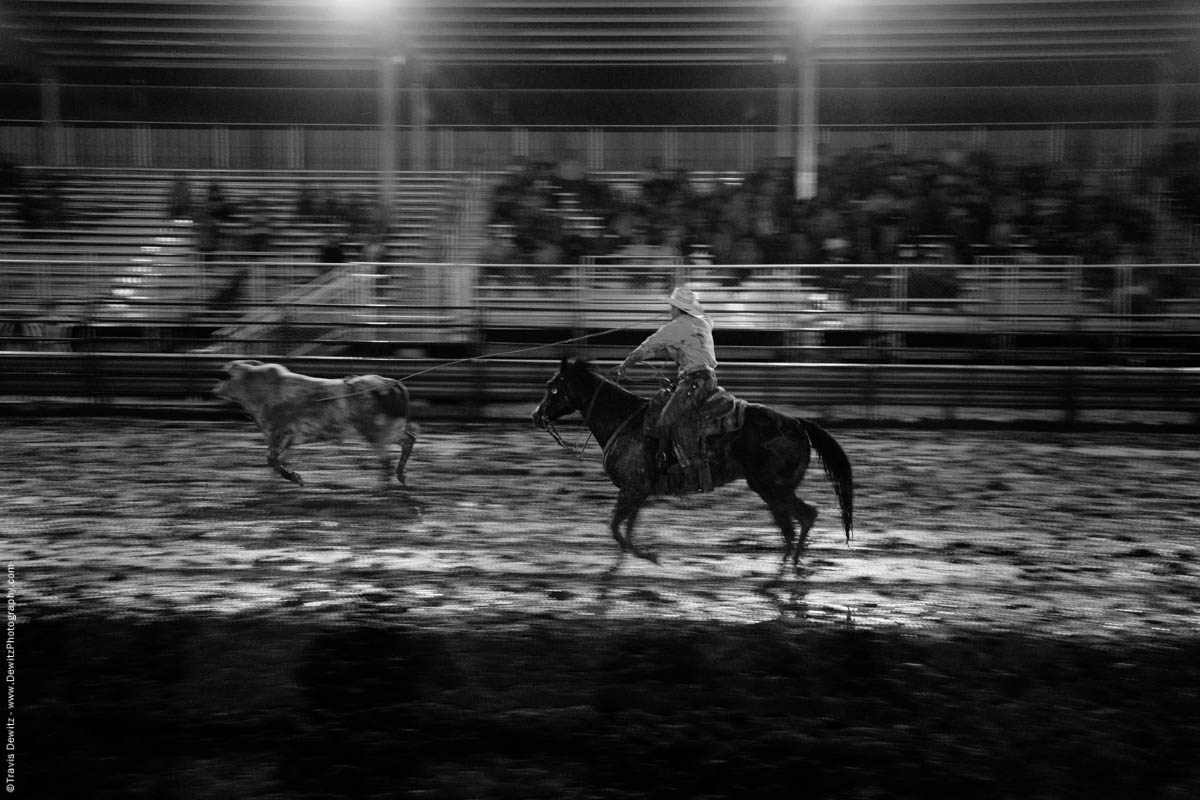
{"points": [[581, 365]]}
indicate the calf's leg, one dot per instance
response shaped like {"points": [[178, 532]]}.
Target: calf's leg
{"points": [[277, 447], [407, 440]]}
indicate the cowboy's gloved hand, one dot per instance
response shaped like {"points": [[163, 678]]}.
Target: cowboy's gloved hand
{"points": [[621, 373]]}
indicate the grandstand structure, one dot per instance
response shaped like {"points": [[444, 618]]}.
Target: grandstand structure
{"points": [[417, 110]]}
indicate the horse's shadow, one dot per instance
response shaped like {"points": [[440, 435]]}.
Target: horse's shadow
{"points": [[786, 589]]}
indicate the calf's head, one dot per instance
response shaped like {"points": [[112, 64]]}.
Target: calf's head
{"points": [[244, 381]]}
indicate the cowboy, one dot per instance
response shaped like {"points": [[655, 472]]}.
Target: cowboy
{"points": [[687, 340]]}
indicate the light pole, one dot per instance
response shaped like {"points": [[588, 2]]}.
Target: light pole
{"points": [[390, 60], [810, 17]]}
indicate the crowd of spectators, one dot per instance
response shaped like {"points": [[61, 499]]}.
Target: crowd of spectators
{"points": [[249, 226], [873, 205], [225, 228]]}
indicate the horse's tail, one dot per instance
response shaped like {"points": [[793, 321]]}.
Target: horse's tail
{"points": [[837, 470]]}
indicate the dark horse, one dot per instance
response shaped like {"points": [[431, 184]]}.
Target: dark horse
{"points": [[771, 451]]}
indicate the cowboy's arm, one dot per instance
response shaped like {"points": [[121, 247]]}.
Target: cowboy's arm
{"points": [[649, 348], [635, 357]]}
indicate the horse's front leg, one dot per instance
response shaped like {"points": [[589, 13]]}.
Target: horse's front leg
{"points": [[629, 503]]}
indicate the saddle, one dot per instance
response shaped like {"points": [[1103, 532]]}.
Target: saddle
{"points": [[722, 412]]}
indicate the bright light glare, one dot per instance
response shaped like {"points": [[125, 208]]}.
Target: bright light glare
{"points": [[362, 10]]}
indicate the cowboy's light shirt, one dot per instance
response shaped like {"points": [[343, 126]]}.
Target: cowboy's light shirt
{"points": [[686, 340]]}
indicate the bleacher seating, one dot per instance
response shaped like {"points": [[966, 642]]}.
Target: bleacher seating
{"points": [[118, 221]]}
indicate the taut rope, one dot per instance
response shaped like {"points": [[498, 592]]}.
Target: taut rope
{"points": [[504, 354], [529, 349]]}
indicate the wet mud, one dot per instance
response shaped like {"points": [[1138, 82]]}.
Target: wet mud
{"points": [[1016, 616]]}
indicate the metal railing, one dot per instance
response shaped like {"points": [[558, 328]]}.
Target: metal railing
{"points": [[932, 313], [1063, 395]]}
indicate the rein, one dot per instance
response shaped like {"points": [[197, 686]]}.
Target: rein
{"points": [[577, 450]]}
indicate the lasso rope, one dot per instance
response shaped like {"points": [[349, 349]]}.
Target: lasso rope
{"points": [[507, 353], [504, 354]]}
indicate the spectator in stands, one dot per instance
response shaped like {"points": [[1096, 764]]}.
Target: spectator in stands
{"points": [[179, 198], [32, 208], [208, 235], [356, 215], [331, 252], [42, 204], [500, 249], [217, 204], [640, 251], [258, 227], [375, 249], [232, 293], [306, 201], [10, 176], [51, 329], [873, 205], [46, 331], [329, 205]]}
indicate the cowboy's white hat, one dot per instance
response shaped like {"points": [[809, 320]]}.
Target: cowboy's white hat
{"points": [[685, 300]]}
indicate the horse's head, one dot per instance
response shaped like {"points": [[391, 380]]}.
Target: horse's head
{"points": [[558, 399]]}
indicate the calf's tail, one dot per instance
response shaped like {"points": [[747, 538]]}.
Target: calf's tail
{"points": [[837, 470], [393, 398]]}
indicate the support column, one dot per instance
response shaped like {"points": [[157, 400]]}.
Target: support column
{"points": [[1166, 87], [52, 151], [388, 65], [806, 85], [419, 119], [785, 114]]}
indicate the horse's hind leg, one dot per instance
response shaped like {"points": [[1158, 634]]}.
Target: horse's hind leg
{"points": [[806, 515], [781, 512]]}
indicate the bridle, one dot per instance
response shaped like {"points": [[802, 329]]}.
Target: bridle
{"points": [[577, 450]]}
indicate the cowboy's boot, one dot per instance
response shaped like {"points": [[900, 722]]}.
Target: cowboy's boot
{"points": [[662, 457], [696, 474]]}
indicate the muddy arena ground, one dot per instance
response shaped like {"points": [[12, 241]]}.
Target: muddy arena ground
{"points": [[1016, 616]]}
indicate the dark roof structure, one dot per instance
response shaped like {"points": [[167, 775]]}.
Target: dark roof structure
{"points": [[70, 36]]}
